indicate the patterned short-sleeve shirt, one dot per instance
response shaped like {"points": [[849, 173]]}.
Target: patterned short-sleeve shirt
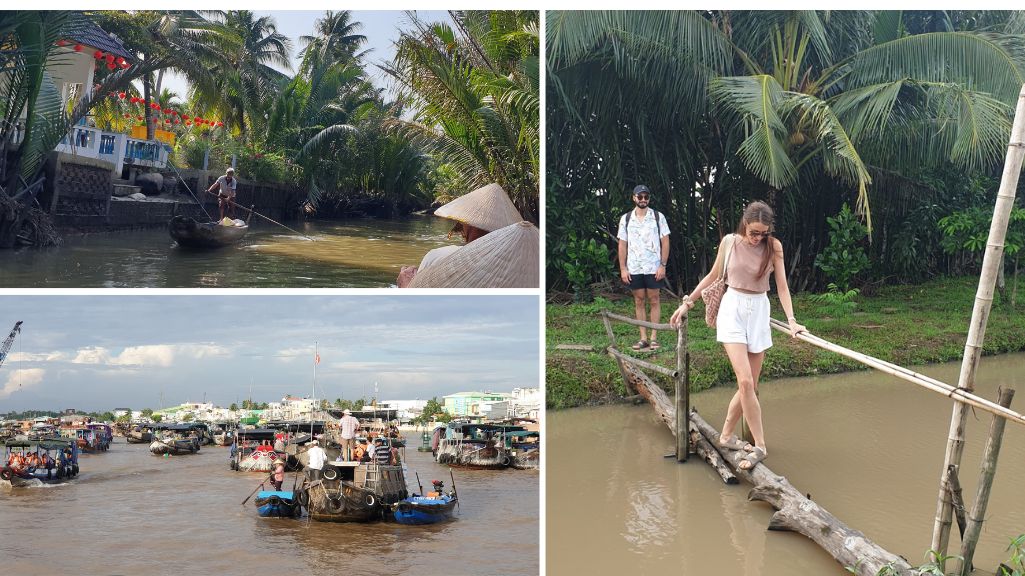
{"points": [[643, 243]]}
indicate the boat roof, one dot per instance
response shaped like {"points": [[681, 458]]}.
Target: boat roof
{"points": [[383, 413], [462, 426], [295, 425], [45, 443], [263, 433]]}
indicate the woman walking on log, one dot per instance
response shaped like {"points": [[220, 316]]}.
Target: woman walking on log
{"points": [[742, 323]]}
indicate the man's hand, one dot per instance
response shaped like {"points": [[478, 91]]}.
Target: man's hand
{"points": [[661, 272], [625, 276], [406, 274]]}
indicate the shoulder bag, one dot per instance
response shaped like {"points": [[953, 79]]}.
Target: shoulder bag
{"points": [[713, 294]]}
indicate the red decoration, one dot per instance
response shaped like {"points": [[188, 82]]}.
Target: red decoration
{"points": [[185, 117], [121, 95], [128, 115], [167, 121], [138, 117], [154, 106], [98, 54], [189, 123], [110, 66], [61, 42], [78, 47], [126, 65], [220, 124], [110, 58], [177, 121]]}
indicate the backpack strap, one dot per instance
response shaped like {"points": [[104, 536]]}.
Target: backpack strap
{"points": [[724, 255]]}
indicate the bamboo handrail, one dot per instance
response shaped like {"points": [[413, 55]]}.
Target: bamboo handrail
{"points": [[637, 322], [637, 361], [952, 392]]}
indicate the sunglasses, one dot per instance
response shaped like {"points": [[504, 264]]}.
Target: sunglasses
{"points": [[643, 196], [754, 234]]}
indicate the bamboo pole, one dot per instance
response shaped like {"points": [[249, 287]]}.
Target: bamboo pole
{"points": [[637, 322], [638, 362], [682, 393], [960, 396], [612, 342], [989, 470], [980, 313]]}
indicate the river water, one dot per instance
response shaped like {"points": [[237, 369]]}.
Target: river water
{"points": [[343, 254], [130, 512], [865, 446]]}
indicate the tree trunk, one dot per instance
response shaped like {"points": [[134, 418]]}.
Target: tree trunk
{"points": [[146, 79]]}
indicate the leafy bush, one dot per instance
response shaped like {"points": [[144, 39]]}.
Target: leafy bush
{"points": [[844, 257], [585, 260], [836, 302]]}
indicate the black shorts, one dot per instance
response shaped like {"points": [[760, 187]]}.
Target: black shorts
{"points": [[646, 282]]}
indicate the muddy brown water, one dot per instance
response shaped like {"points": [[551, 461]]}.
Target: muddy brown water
{"points": [[866, 446], [130, 512], [343, 254]]}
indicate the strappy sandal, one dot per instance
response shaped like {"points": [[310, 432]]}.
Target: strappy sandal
{"points": [[734, 443], [653, 346], [640, 345], [753, 458]]}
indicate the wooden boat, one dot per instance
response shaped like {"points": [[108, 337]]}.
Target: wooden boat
{"points": [[252, 450], [434, 507], [139, 435], [191, 234], [175, 439], [353, 492], [277, 504], [32, 463], [524, 449], [472, 445], [104, 434], [88, 439]]}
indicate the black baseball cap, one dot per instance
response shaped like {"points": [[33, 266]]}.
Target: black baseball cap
{"points": [[641, 188]]}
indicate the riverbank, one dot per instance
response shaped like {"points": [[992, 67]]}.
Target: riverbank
{"points": [[906, 325]]}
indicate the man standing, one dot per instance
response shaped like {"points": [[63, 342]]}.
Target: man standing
{"points": [[226, 185], [317, 459], [643, 254], [348, 426]]}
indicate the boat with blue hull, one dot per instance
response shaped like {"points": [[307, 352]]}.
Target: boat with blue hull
{"points": [[434, 507], [277, 504]]}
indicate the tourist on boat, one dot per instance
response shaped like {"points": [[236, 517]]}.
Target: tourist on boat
{"points": [[16, 461], [477, 213], [279, 474], [348, 426], [382, 455], [317, 459], [226, 186], [359, 451], [742, 324]]}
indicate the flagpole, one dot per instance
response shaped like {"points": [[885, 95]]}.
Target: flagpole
{"points": [[316, 360]]}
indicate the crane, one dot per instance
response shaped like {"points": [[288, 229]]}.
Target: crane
{"points": [[6, 346]]}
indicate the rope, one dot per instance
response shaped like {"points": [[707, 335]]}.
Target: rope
{"points": [[175, 168]]}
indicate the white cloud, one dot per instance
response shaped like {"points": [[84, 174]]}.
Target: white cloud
{"points": [[40, 357], [21, 379], [151, 355]]}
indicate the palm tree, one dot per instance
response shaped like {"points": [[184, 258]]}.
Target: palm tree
{"points": [[473, 94], [807, 108], [336, 40]]}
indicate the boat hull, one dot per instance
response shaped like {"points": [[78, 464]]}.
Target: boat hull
{"points": [[347, 503], [277, 504], [418, 510], [174, 448], [191, 234]]}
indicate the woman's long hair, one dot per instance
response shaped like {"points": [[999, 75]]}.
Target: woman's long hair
{"points": [[759, 212]]}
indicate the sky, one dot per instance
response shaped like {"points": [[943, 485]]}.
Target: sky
{"points": [[97, 353], [379, 26]]}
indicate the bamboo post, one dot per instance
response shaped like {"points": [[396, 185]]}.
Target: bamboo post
{"points": [[682, 393], [642, 363], [989, 470], [980, 314], [612, 342]]}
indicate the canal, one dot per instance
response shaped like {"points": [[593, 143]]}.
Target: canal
{"points": [[864, 445], [360, 253]]}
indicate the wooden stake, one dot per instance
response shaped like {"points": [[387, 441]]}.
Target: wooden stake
{"points": [[682, 393], [989, 470], [612, 342], [980, 314]]}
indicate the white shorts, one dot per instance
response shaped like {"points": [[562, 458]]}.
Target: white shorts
{"points": [[744, 319]]}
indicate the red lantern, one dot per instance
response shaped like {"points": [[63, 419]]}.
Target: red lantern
{"points": [[154, 106], [110, 58], [128, 115], [167, 121], [78, 47], [138, 117], [98, 54], [126, 65], [121, 95], [110, 66], [185, 117], [61, 43], [220, 124], [177, 121], [189, 123]]}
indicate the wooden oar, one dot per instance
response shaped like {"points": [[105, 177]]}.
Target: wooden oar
{"points": [[418, 483], [454, 492], [255, 490]]}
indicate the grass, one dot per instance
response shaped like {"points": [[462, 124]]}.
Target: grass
{"points": [[906, 325]]}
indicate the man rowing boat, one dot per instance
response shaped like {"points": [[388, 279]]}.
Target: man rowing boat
{"points": [[226, 194]]}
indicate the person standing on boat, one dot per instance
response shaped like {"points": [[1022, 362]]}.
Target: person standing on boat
{"points": [[279, 474], [742, 324], [226, 186], [348, 427], [643, 253], [317, 459], [382, 455]]}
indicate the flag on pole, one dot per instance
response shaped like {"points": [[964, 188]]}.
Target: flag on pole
{"points": [[317, 360]]}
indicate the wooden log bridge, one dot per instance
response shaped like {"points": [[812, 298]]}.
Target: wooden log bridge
{"points": [[794, 511]]}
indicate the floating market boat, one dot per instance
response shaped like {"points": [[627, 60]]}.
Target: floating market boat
{"points": [[431, 508], [175, 439], [139, 434], [473, 445], [29, 463], [189, 233], [253, 450], [223, 433], [278, 504], [104, 434], [88, 439], [524, 449], [353, 491]]}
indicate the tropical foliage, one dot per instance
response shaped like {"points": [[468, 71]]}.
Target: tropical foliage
{"points": [[808, 110]]}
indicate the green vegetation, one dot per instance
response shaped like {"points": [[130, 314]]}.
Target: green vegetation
{"points": [[904, 116], [433, 411], [906, 325]]}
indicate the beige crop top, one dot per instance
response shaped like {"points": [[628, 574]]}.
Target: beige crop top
{"points": [[744, 264]]}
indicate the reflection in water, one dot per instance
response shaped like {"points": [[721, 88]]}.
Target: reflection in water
{"points": [[353, 253], [866, 446], [135, 513]]}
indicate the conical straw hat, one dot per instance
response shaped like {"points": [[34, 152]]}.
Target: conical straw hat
{"points": [[505, 258], [488, 208]]}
